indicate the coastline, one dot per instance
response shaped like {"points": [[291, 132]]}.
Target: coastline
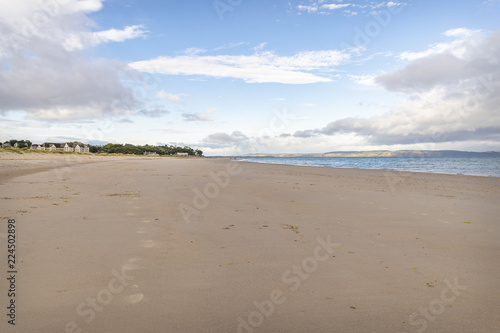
{"points": [[492, 171], [221, 245]]}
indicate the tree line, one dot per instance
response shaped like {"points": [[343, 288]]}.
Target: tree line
{"points": [[112, 148], [116, 148], [20, 143]]}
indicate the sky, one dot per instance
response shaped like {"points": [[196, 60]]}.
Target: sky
{"points": [[236, 77]]}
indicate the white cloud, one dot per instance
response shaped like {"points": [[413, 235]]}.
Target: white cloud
{"points": [[194, 51], [309, 9], [322, 8], [116, 35], [171, 97], [198, 117], [365, 79], [229, 46], [454, 97], [350, 13], [458, 47], [224, 140], [34, 10], [460, 32], [452, 103], [79, 41], [448, 65], [46, 80], [257, 68], [335, 6]]}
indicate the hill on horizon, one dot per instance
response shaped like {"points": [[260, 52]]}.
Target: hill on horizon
{"points": [[387, 153]]}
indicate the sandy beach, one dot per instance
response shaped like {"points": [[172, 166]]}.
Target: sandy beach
{"points": [[151, 244]]}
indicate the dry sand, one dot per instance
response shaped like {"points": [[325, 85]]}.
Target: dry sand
{"points": [[112, 244]]}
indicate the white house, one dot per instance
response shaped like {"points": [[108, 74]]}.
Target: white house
{"points": [[183, 154], [68, 147], [37, 147], [81, 148], [75, 147]]}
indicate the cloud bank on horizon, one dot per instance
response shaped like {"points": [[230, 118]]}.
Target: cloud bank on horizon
{"points": [[287, 85]]}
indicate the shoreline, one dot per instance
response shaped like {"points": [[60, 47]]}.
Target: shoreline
{"points": [[74, 158], [391, 170]]}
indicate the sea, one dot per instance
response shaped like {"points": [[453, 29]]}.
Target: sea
{"points": [[473, 166]]}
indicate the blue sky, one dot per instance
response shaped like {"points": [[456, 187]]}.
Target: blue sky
{"points": [[241, 76]]}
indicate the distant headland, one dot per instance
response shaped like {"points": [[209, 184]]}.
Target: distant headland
{"points": [[386, 153]]}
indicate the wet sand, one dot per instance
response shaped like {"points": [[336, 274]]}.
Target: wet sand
{"points": [[143, 244]]}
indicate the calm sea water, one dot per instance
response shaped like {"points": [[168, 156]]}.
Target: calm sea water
{"points": [[482, 166]]}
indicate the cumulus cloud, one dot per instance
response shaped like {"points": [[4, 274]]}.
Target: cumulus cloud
{"points": [[218, 140], [454, 93], [448, 65], [453, 97], [49, 81], [259, 67], [426, 73]]}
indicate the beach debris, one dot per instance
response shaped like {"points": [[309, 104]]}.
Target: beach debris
{"points": [[467, 222], [353, 307], [124, 194], [291, 227]]}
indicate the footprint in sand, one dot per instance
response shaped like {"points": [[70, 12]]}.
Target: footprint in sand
{"points": [[148, 243], [141, 231], [136, 297], [130, 267]]}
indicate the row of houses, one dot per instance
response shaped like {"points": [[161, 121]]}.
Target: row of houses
{"points": [[71, 147], [68, 146]]}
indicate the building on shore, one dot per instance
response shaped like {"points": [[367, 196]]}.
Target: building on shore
{"points": [[75, 147]]}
